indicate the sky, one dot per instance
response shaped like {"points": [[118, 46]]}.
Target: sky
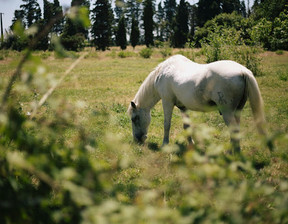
{"points": [[9, 6]]}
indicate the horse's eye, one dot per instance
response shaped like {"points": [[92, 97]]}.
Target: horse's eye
{"points": [[135, 119]]}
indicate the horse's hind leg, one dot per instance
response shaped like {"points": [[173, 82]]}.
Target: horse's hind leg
{"points": [[186, 125], [232, 120]]}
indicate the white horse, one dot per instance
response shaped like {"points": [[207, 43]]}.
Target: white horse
{"points": [[222, 85]]}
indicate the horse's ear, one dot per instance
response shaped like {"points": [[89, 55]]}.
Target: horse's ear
{"points": [[133, 105]]}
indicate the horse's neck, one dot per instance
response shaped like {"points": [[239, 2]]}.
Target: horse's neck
{"points": [[147, 96]]}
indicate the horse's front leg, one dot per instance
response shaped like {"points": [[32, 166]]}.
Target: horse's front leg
{"points": [[168, 109]]}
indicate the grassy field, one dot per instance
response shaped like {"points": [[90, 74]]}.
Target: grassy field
{"points": [[102, 86]]}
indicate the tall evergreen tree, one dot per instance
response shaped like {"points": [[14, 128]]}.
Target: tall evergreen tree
{"points": [[243, 11], [181, 25], [58, 11], [148, 22], [121, 39], [229, 6], [19, 15], [206, 10], [133, 9], [119, 9], [269, 9], [75, 27], [102, 17], [135, 33], [31, 11], [74, 33], [193, 19], [51, 11], [160, 22], [170, 8], [48, 11], [48, 15]]}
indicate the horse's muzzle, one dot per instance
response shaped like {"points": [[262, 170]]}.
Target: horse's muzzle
{"points": [[140, 139]]}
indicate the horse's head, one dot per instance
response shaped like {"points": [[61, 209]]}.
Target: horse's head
{"points": [[140, 121]]}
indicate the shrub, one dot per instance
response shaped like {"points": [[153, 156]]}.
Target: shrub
{"points": [[283, 75], [217, 46], [248, 56], [279, 52], [224, 21], [261, 33], [165, 52], [73, 43], [280, 32], [226, 44], [159, 43], [125, 54], [146, 52]]}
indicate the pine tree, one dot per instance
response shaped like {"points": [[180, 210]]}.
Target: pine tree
{"points": [[77, 28], [135, 33], [132, 10], [193, 20], [48, 15], [207, 9], [58, 12], [170, 8], [31, 11], [181, 25], [269, 9], [243, 11], [148, 22], [19, 15], [48, 11], [121, 34], [161, 23], [120, 9], [229, 6], [74, 33], [102, 17]]}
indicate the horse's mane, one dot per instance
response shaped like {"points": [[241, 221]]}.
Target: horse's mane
{"points": [[146, 92], [147, 97]]}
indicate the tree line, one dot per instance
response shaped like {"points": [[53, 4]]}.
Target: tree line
{"points": [[145, 22]]}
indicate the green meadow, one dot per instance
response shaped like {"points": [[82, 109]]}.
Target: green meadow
{"points": [[147, 183]]}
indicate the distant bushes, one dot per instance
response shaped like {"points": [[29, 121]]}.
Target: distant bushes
{"points": [[271, 35], [75, 42], [227, 44], [146, 52]]}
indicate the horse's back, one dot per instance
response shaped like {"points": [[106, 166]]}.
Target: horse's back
{"points": [[227, 68], [198, 86]]}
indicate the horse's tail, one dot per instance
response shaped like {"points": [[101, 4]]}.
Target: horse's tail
{"points": [[256, 102]]}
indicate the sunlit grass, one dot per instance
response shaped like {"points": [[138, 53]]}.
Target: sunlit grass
{"points": [[103, 84]]}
